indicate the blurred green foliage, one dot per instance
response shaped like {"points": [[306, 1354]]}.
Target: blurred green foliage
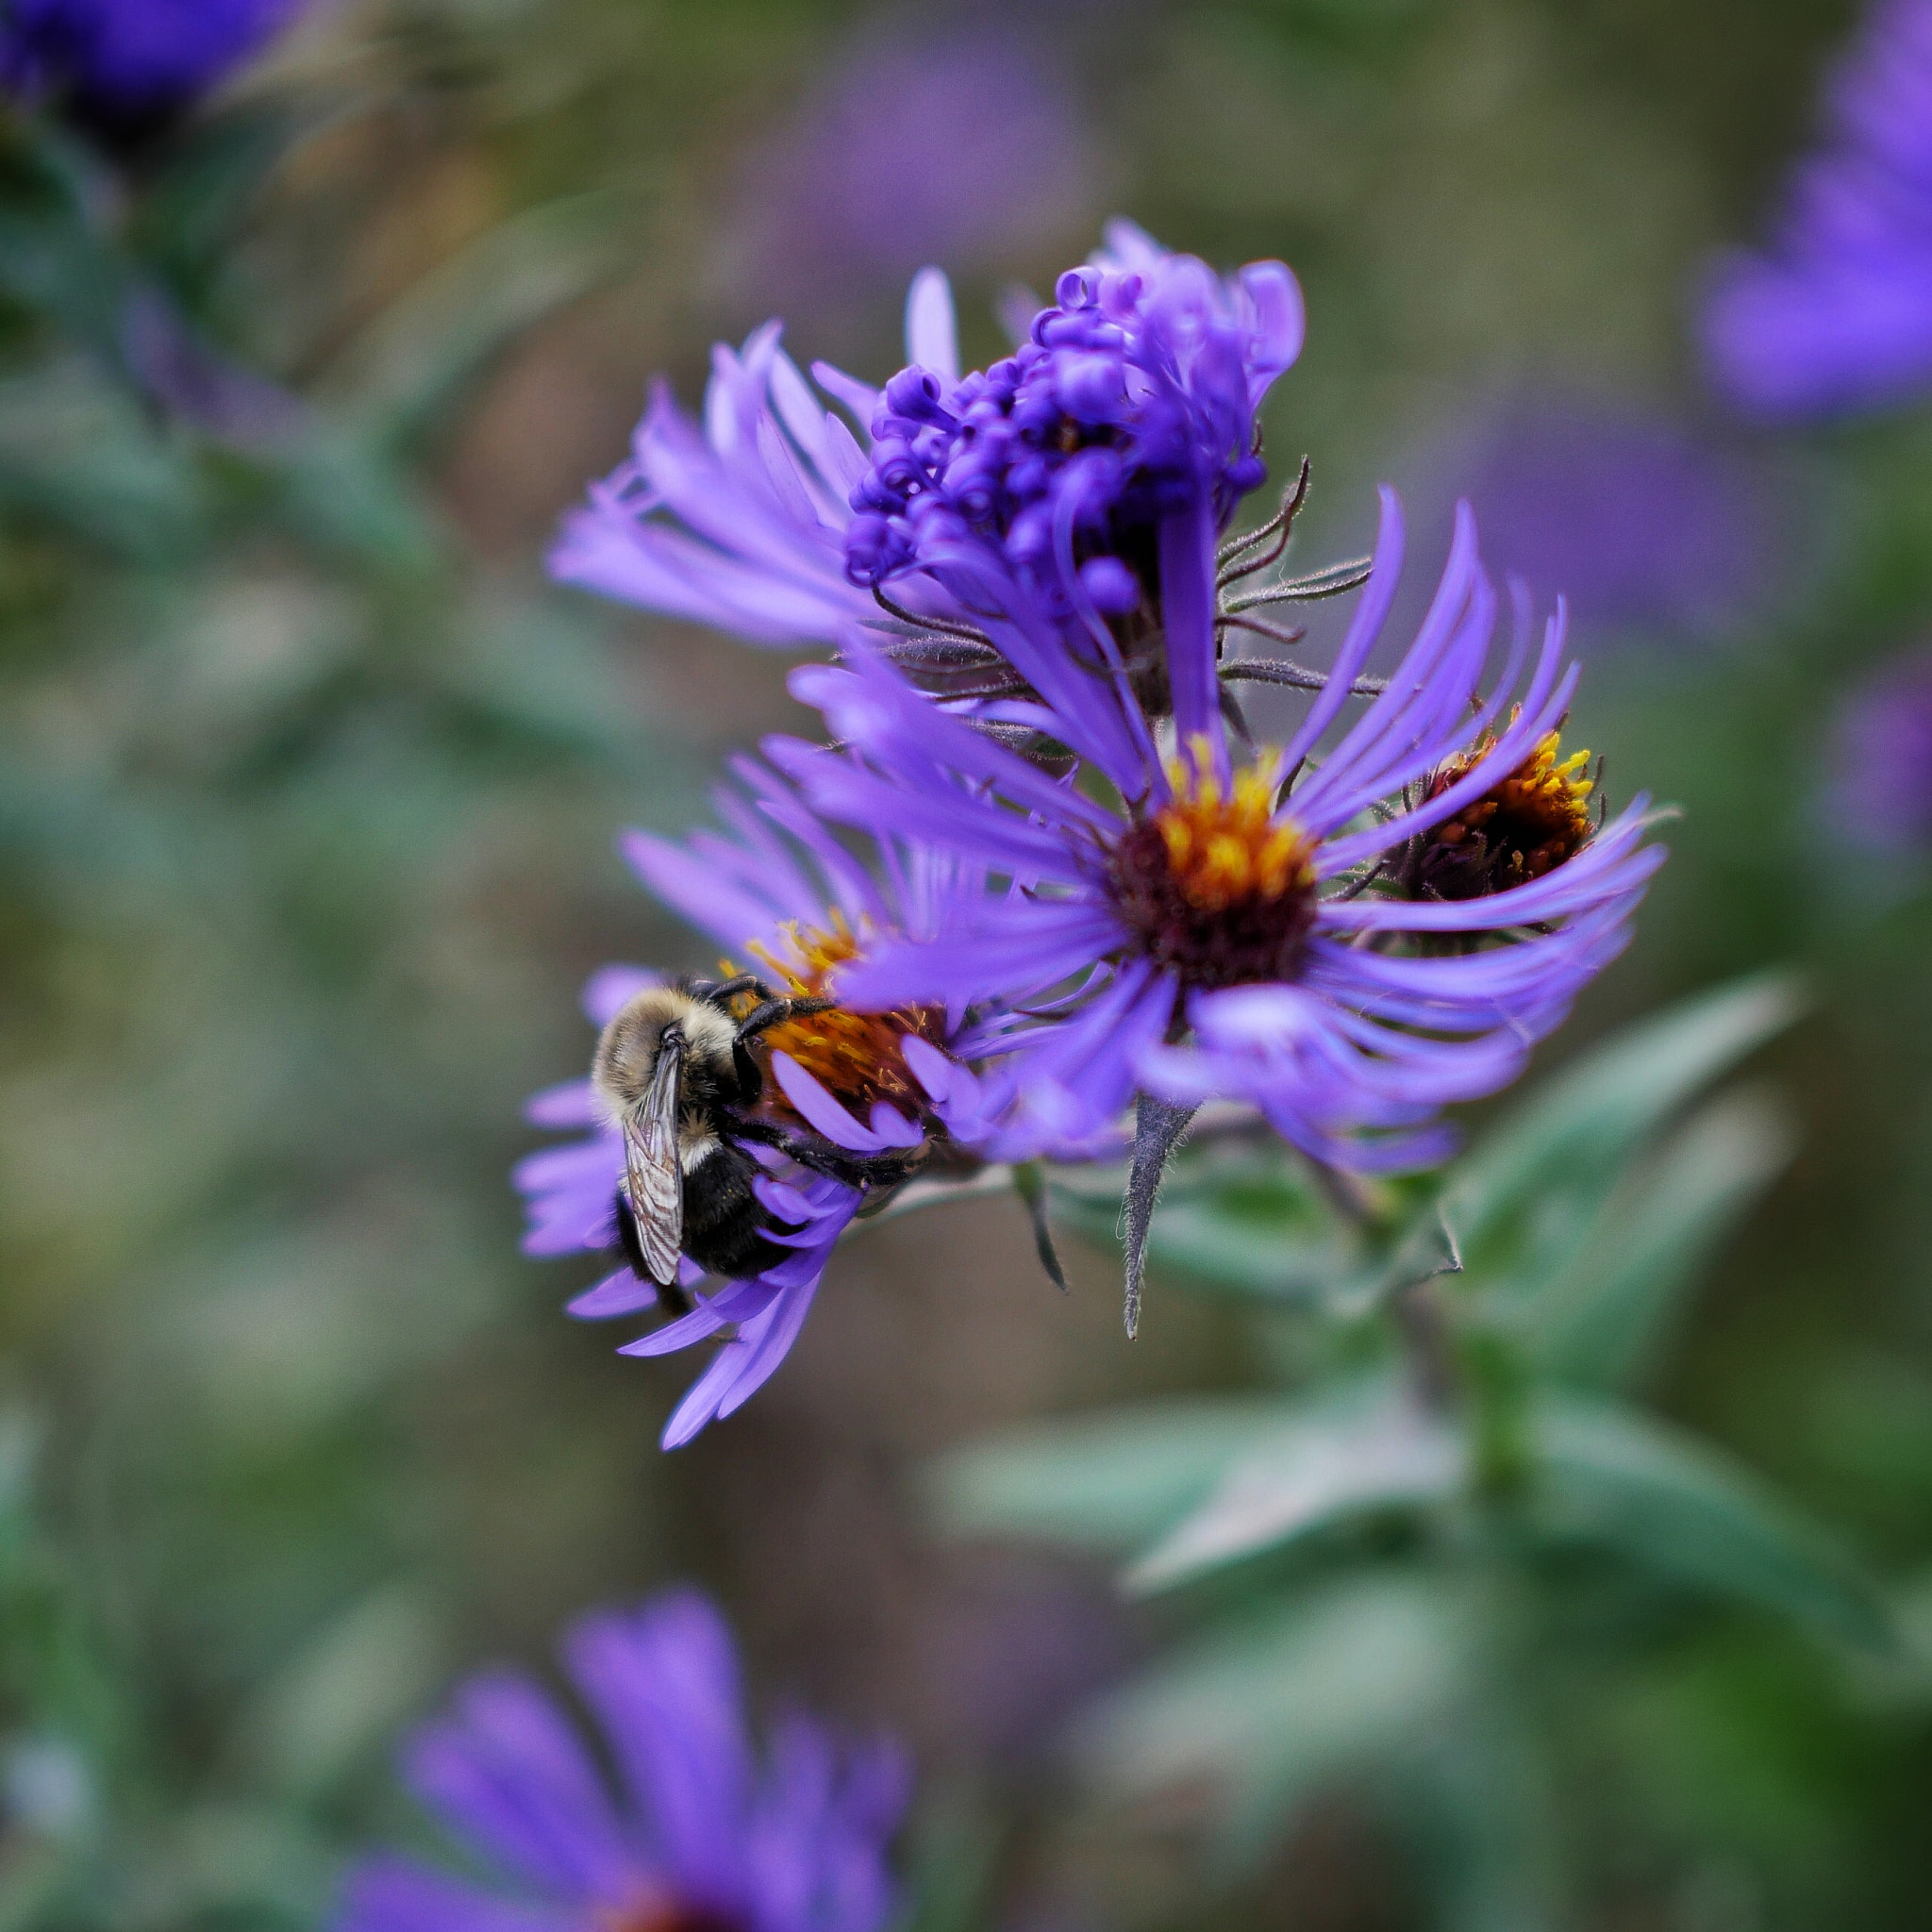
{"points": [[306, 794], [1455, 1489]]}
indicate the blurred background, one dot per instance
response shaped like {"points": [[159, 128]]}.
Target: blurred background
{"points": [[309, 785]]}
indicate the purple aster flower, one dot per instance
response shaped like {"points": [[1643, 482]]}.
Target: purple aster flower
{"points": [[1346, 944], [857, 1102], [126, 67], [1008, 530], [1881, 760], [1836, 316], [694, 1833]]}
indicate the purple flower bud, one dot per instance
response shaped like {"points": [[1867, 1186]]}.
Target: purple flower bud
{"points": [[125, 68], [1091, 389], [870, 494], [896, 466], [1133, 402], [871, 547], [915, 393], [973, 486], [1035, 409], [1112, 587], [1245, 474], [1094, 478], [1077, 289], [1028, 478], [935, 521], [1030, 538]]}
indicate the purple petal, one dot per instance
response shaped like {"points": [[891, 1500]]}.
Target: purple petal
{"points": [[820, 1111], [385, 1894], [621, 1293], [507, 1773], [664, 1683]]}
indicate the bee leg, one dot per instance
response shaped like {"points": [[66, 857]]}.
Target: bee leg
{"points": [[774, 1012], [751, 1082], [834, 1163], [675, 1298], [888, 1170], [717, 992]]}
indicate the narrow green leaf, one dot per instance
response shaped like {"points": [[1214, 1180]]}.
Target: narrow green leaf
{"points": [[1609, 1317], [1523, 1201], [1610, 1476], [208, 180], [1362, 1449], [75, 451], [1107, 1482], [950, 1864]]}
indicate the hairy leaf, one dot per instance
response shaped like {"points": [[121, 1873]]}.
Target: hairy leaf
{"points": [[1361, 1450], [1523, 1201], [1108, 1482], [1609, 1318], [1610, 1476]]}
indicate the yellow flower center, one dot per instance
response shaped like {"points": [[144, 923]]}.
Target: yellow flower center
{"points": [[857, 1057], [1214, 885]]}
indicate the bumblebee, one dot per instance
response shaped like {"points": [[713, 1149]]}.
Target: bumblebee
{"points": [[676, 1071]]}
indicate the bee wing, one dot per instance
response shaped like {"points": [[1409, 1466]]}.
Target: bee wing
{"points": [[650, 1158]]}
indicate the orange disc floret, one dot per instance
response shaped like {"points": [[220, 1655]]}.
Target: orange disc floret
{"points": [[1518, 830], [1213, 884], [858, 1058]]}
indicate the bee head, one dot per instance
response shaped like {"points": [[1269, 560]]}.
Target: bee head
{"points": [[629, 1049]]}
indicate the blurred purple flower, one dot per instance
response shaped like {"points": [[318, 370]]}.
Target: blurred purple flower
{"points": [[1640, 520], [779, 889], [697, 1834], [1880, 785], [961, 146], [123, 67], [1836, 315], [1215, 938]]}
